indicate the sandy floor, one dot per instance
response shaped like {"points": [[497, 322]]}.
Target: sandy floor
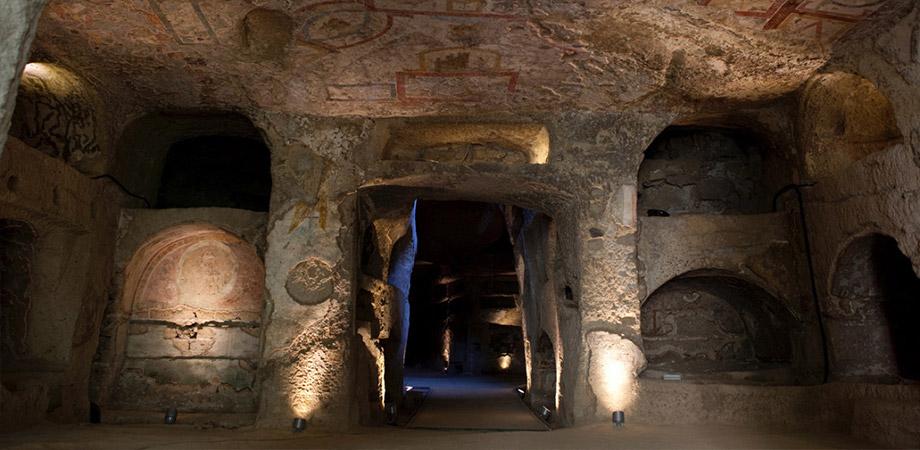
{"points": [[595, 436]]}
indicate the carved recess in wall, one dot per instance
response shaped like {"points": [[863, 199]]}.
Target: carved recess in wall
{"points": [[195, 296], [195, 273], [707, 324], [55, 113]]}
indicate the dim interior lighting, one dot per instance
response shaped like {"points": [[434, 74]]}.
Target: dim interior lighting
{"points": [[546, 414], [521, 392], [299, 424], [504, 361], [619, 418], [171, 415]]}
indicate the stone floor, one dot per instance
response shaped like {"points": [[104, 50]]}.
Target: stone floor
{"points": [[600, 436], [461, 412], [472, 403]]}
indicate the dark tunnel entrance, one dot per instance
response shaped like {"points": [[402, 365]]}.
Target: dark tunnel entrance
{"points": [[464, 319], [465, 343]]}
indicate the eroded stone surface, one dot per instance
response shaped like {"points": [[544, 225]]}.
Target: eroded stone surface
{"points": [[310, 282]]}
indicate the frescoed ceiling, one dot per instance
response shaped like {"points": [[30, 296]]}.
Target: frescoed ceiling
{"points": [[404, 57]]}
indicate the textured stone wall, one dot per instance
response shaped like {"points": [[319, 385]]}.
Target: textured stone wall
{"points": [[869, 189], [58, 113], [187, 313], [74, 219]]}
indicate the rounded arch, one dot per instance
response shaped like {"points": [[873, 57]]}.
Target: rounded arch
{"points": [[844, 118], [58, 113], [710, 323], [194, 272], [693, 169], [872, 310], [202, 143]]}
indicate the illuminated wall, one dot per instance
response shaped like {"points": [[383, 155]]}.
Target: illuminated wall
{"points": [[192, 301]]}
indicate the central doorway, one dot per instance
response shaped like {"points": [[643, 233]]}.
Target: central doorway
{"points": [[465, 343]]}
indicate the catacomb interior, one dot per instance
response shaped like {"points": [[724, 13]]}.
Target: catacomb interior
{"points": [[402, 217]]}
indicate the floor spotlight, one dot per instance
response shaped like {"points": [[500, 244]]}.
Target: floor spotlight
{"points": [[619, 418], [546, 414], [299, 424], [171, 415], [521, 392]]}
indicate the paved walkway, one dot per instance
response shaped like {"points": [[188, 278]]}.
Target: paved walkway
{"points": [[472, 403]]}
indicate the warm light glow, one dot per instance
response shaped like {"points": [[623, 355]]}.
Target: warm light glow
{"points": [[40, 70], [446, 339], [614, 391], [504, 361]]}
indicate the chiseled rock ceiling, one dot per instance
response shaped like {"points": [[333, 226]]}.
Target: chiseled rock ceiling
{"points": [[395, 57]]}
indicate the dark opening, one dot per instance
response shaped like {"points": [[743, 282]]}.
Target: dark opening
{"points": [[216, 171], [874, 310], [17, 250], [464, 281]]}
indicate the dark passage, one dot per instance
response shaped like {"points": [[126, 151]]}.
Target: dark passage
{"points": [[465, 339]]}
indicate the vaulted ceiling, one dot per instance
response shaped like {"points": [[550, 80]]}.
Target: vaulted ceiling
{"points": [[401, 57]]}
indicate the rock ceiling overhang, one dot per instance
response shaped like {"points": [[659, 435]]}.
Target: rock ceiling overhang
{"points": [[404, 57]]}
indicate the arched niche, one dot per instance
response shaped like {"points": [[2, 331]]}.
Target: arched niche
{"points": [[873, 311], [192, 152], [507, 143], [193, 299], [195, 273], [58, 113], [843, 119], [710, 325], [702, 170]]}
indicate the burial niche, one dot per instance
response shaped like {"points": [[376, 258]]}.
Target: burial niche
{"points": [[709, 325], [692, 170], [195, 296], [873, 311], [221, 171]]}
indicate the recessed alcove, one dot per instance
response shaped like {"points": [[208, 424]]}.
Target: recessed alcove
{"points": [[505, 143], [872, 312]]}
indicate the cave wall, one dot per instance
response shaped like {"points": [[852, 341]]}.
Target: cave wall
{"points": [[872, 189], [74, 219]]}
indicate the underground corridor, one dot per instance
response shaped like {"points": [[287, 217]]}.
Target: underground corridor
{"points": [[461, 337], [459, 224]]}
